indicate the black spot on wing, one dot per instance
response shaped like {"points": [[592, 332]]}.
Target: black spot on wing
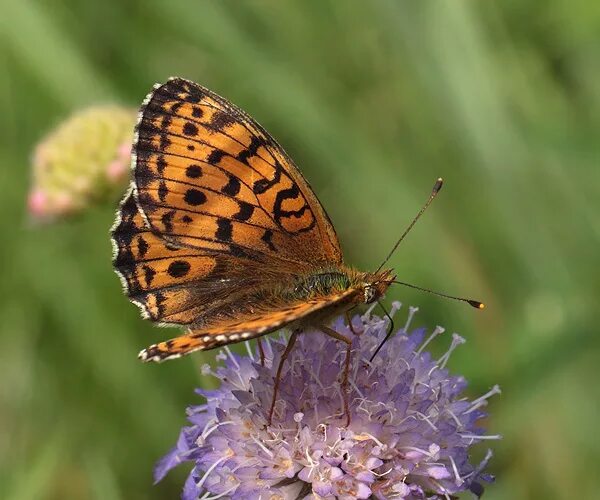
{"points": [[194, 197], [165, 142], [215, 156], [193, 171], [162, 191], [245, 212], [178, 268], [251, 150], [161, 164], [190, 129], [220, 120], [166, 121], [232, 188], [238, 251], [149, 274], [267, 237], [142, 246], [279, 213], [261, 185], [167, 220], [160, 306], [224, 230]]}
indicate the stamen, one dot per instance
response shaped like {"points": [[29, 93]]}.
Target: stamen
{"points": [[456, 341], [437, 331], [482, 465], [426, 418], [231, 356], [419, 450], [482, 400], [220, 495], [475, 436], [383, 473], [459, 480], [208, 424], [454, 417], [206, 433], [262, 446], [213, 467], [396, 306], [364, 436], [411, 312], [367, 315]]}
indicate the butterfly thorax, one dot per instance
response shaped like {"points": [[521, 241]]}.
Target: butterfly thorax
{"points": [[330, 281]]}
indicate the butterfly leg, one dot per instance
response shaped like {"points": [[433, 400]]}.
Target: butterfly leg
{"points": [[261, 351], [350, 325], [284, 356], [338, 336]]}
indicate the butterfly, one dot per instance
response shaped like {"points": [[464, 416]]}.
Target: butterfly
{"points": [[219, 231], [221, 234]]}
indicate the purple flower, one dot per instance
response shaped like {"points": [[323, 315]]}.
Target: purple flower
{"points": [[410, 433]]}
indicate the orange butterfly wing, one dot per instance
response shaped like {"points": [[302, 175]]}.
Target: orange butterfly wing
{"points": [[217, 218], [244, 327], [207, 174], [155, 276]]}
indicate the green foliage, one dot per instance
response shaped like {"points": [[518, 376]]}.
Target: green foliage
{"points": [[374, 100]]}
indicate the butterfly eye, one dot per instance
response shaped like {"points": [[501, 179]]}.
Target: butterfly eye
{"points": [[370, 294]]}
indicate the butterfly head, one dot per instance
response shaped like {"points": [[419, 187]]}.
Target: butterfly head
{"points": [[375, 285]]}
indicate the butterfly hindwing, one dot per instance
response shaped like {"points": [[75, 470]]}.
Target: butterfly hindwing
{"points": [[154, 275], [244, 327]]}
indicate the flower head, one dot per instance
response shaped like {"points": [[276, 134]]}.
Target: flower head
{"points": [[85, 158], [410, 433]]}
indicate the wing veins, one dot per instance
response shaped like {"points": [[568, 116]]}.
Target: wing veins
{"points": [[226, 172], [191, 184], [217, 131], [122, 266], [198, 141], [207, 214], [241, 117]]}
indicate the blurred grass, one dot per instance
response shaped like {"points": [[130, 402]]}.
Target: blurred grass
{"points": [[374, 100]]}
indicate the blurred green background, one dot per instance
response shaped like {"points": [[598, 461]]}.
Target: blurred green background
{"points": [[373, 100]]}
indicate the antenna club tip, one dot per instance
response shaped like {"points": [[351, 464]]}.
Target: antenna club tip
{"points": [[476, 304], [438, 185]]}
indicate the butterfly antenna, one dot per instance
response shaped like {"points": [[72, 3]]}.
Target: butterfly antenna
{"points": [[473, 303], [436, 189]]}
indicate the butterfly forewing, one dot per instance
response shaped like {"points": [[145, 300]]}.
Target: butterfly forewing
{"points": [[206, 172]]}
